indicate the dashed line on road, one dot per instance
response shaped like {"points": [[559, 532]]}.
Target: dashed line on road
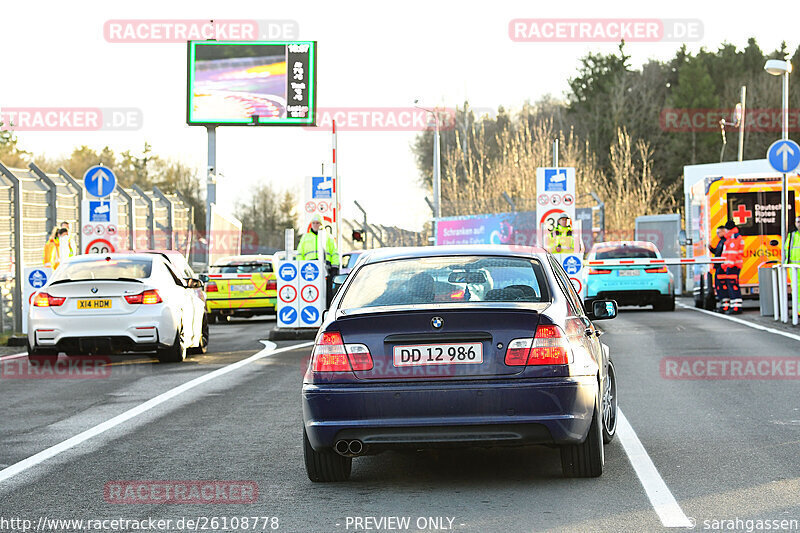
{"points": [[662, 500], [33, 460], [743, 322]]}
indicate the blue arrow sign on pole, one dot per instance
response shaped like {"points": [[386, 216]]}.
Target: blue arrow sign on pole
{"points": [[310, 314], [784, 155], [288, 315], [99, 181]]}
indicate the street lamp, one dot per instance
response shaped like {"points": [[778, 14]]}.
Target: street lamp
{"points": [[778, 67], [437, 164]]}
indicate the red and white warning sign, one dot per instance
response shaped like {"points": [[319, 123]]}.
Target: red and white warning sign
{"points": [[568, 199], [287, 294], [309, 293], [99, 229], [88, 229], [544, 199], [311, 207], [111, 229], [555, 199], [99, 246]]}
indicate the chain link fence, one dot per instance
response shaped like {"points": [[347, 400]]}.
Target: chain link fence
{"points": [[33, 202]]}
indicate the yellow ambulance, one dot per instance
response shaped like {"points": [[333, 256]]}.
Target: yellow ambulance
{"points": [[241, 286]]}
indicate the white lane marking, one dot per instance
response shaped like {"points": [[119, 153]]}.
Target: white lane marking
{"points": [[743, 322], [14, 356], [662, 500], [33, 460]]}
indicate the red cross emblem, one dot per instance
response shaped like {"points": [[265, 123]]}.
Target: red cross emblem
{"points": [[742, 214]]}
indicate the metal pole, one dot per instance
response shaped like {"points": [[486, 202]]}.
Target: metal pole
{"points": [[784, 188], [555, 153], [211, 179], [741, 123], [170, 216], [19, 256], [437, 171], [337, 193]]}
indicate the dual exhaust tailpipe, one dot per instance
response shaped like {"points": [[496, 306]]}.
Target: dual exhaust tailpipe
{"points": [[349, 448]]}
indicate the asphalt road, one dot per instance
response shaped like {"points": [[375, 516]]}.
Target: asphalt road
{"points": [[725, 449]]}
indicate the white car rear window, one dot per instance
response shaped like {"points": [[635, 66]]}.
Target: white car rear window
{"points": [[104, 269]]}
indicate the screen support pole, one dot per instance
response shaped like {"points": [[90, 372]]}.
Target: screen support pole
{"points": [[211, 183]]}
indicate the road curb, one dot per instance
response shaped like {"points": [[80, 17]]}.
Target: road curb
{"points": [[292, 334]]}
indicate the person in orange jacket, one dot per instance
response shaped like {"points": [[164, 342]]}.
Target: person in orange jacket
{"points": [[733, 253], [53, 248]]}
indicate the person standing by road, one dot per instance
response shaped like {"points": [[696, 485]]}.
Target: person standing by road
{"points": [[733, 253], [57, 248], [561, 236], [792, 248], [716, 251], [308, 249]]}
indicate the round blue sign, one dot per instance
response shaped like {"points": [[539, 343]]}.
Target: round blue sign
{"points": [[287, 315], [784, 155], [572, 264], [287, 272], [309, 314], [37, 279], [309, 271], [99, 181]]}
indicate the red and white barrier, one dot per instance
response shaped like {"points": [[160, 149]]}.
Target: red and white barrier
{"points": [[663, 261]]}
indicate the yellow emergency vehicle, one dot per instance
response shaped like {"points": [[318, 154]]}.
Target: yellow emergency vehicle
{"points": [[242, 286], [753, 202]]}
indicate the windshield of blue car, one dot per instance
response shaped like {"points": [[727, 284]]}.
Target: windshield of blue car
{"points": [[438, 280], [107, 269], [241, 268], [626, 252]]}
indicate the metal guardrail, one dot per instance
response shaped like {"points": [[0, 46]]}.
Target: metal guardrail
{"points": [[784, 276], [33, 202]]}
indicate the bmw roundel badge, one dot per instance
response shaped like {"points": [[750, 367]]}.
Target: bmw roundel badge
{"points": [[437, 322]]}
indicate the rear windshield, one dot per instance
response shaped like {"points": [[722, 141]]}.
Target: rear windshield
{"points": [[626, 252], [104, 269], [241, 268], [429, 280]]}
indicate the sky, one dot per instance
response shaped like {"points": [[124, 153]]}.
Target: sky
{"points": [[370, 54]]}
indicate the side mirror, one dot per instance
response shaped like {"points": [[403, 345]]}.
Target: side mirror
{"points": [[337, 282], [602, 309], [683, 240], [194, 283], [203, 278]]}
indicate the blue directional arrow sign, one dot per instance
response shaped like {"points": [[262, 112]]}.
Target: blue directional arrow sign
{"points": [[287, 315], [287, 272], [572, 264], [784, 155], [309, 271], [99, 181], [309, 315]]}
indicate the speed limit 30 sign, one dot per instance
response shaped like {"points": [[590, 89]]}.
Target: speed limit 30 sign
{"points": [[99, 246]]}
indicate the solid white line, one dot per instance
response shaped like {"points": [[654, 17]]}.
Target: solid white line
{"points": [[743, 322], [33, 460], [662, 500], [13, 356]]}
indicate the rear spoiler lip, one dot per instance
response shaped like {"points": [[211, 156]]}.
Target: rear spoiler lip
{"points": [[537, 307]]}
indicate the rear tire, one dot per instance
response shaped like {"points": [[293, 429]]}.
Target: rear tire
{"points": [[325, 466], [175, 353], [585, 459], [203, 347], [41, 355]]}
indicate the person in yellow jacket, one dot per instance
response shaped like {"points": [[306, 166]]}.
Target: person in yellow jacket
{"points": [[307, 249], [58, 248], [561, 237], [792, 248]]}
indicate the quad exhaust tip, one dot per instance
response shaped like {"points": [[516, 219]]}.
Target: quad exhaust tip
{"points": [[349, 448]]}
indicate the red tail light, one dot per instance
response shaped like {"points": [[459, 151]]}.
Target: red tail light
{"points": [[549, 347], [657, 270], [272, 285], [599, 271], [332, 355], [211, 286], [147, 297], [45, 300]]}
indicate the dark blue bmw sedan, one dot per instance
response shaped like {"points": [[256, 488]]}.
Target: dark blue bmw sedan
{"points": [[458, 346]]}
